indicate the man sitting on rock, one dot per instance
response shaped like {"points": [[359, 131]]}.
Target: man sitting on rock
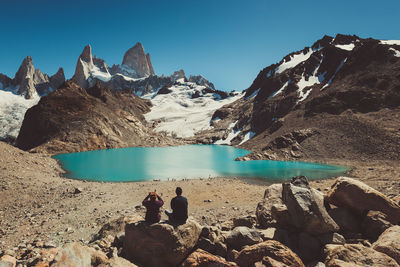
{"points": [[179, 206], [153, 203]]}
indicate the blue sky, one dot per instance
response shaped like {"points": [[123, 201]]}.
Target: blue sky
{"points": [[228, 42]]}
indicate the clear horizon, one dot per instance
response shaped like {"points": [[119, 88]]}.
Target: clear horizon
{"points": [[228, 42]]}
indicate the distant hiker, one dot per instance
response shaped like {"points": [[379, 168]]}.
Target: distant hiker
{"points": [[179, 206], [153, 203]]}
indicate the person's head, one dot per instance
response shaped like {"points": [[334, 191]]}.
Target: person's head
{"points": [[153, 196], [178, 191]]}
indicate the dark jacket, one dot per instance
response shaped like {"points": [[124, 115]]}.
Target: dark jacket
{"points": [[179, 206], [153, 210]]}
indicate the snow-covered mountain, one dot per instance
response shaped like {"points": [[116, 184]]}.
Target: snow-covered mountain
{"points": [[185, 108], [303, 97], [22, 92]]}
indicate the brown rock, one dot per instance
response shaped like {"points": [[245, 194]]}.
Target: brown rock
{"points": [[159, 244], [389, 243], [271, 248], [374, 224], [359, 197], [356, 255], [346, 220], [201, 258], [117, 262], [76, 255], [8, 261], [272, 196]]}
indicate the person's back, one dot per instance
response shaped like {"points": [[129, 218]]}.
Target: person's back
{"points": [[179, 205]]}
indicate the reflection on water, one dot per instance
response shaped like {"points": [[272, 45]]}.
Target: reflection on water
{"points": [[193, 161]]}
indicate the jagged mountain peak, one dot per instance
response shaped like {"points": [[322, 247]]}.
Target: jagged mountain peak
{"points": [[87, 54], [136, 59]]}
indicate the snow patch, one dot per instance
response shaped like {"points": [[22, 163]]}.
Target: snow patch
{"points": [[333, 76], [312, 80], [281, 89], [294, 61], [178, 113], [95, 72], [247, 137], [253, 94], [390, 42], [348, 47], [396, 52], [12, 111]]}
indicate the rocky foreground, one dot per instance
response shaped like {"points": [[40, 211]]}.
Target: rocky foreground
{"points": [[350, 224]]}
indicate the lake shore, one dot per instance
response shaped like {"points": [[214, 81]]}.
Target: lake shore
{"points": [[39, 203]]}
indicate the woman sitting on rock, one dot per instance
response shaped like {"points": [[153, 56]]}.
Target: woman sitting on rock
{"points": [[153, 203]]}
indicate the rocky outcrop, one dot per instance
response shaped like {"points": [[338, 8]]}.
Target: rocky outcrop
{"points": [[359, 197], [160, 244], [74, 254], [356, 255], [306, 207], [201, 258], [272, 250], [74, 119], [389, 243]]}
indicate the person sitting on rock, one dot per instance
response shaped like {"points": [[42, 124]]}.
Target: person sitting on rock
{"points": [[179, 206], [153, 203]]}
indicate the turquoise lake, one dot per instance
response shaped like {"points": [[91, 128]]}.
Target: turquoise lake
{"points": [[193, 161]]}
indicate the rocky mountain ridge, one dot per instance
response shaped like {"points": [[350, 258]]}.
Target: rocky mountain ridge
{"points": [[337, 93], [29, 81], [136, 72]]}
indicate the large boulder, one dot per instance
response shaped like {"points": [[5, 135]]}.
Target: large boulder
{"points": [[306, 207], [348, 223], [159, 244], [272, 197], [201, 258], [359, 197], [8, 261], [374, 224], [273, 249], [356, 255], [117, 262], [76, 255], [389, 243], [243, 236]]}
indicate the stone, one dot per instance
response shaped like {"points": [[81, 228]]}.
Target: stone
{"points": [[117, 262], [243, 236], [348, 223], [8, 261], [270, 248], [268, 234], [306, 207], [78, 190], [374, 224], [389, 243], [272, 196], [308, 248], [247, 221], [331, 238], [359, 197], [159, 244], [74, 254], [201, 258], [356, 255]]}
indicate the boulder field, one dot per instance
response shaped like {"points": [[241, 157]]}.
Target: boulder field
{"points": [[351, 224]]}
